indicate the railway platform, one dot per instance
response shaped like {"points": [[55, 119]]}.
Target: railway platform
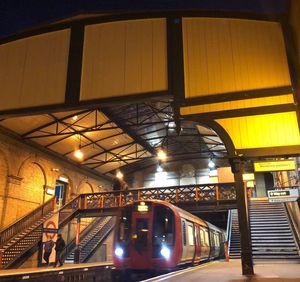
{"points": [[220, 271], [99, 272]]}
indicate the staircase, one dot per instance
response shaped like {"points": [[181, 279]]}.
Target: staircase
{"points": [[235, 239], [92, 239], [20, 240], [23, 236], [271, 234]]}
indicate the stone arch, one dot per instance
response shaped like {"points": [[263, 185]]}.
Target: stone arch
{"points": [[31, 194], [36, 161], [85, 186]]}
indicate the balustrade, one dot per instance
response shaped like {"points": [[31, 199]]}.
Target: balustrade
{"points": [[174, 194]]}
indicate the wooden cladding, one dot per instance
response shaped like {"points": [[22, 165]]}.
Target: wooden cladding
{"points": [[33, 70], [122, 58], [262, 131], [232, 55], [239, 104]]}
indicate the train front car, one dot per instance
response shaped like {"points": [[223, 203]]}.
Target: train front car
{"points": [[145, 237]]}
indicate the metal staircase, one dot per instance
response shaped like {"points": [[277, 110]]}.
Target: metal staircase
{"points": [[234, 242], [22, 237], [271, 233], [19, 240], [92, 239]]}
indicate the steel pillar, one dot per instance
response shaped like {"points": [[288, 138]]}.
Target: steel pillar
{"points": [[244, 226], [77, 250]]}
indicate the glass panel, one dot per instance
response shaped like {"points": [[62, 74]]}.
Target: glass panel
{"points": [[202, 236], [191, 235], [141, 233], [163, 226]]}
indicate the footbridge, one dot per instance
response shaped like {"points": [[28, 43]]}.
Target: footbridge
{"points": [[193, 198]]}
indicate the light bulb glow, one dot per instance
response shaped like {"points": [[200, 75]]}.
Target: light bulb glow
{"points": [[78, 154], [161, 155], [211, 164], [159, 169], [119, 175]]}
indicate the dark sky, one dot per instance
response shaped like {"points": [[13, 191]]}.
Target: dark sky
{"points": [[20, 15]]}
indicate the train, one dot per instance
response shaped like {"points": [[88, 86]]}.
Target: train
{"points": [[155, 235]]}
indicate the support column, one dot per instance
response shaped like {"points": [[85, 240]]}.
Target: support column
{"points": [[237, 167], [77, 250]]}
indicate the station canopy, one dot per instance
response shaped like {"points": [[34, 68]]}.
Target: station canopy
{"points": [[126, 136]]}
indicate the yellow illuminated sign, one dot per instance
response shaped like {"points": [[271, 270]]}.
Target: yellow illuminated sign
{"points": [[248, 176], [280, 165], [142, 208]]}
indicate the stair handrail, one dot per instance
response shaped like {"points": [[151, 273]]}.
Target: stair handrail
{"points": [[73, 205], [25, 222], [71, 245], [229, 228], [294, 224], [110, 226], [24, 251], [103, 223]]}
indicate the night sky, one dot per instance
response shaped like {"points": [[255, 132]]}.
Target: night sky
{"points": [[17, 16]]}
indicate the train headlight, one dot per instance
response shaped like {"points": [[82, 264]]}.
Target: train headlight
{"points": [[119, 252], [165, 252]]}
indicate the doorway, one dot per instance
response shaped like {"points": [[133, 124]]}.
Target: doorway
{"points": [[60, 193]]}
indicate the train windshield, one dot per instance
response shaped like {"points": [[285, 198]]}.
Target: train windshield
{"points": [[163, 226], [125, 225]]}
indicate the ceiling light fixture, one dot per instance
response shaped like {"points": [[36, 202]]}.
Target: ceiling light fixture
{"points": [[161, 155], [78, 154], [119, 174], [211, 164]]}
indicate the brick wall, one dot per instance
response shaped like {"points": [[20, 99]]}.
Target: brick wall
{"points": [[24, 171]]}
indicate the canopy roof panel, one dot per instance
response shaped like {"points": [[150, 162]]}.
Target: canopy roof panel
{"points": [[120, 136]]}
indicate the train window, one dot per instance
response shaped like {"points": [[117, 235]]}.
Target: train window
{"points": [[206, 238], [163, 226], [124, 225], [198, 236], [217, 241], [183, 232], [190, 235], [141, 231], [202, 236], [212, 239]]}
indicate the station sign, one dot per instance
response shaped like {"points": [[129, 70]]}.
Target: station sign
{"points": [[50, 231], [286, 195], [280, 165]]}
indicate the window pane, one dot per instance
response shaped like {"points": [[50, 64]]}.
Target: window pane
{"points": [[191, 235], [163, 226]]}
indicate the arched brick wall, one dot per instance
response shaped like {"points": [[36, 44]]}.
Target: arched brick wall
{"points": [[85, 187], [32, 188]]}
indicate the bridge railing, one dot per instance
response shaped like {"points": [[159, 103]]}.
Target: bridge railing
{"points": [[174, 194]]}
